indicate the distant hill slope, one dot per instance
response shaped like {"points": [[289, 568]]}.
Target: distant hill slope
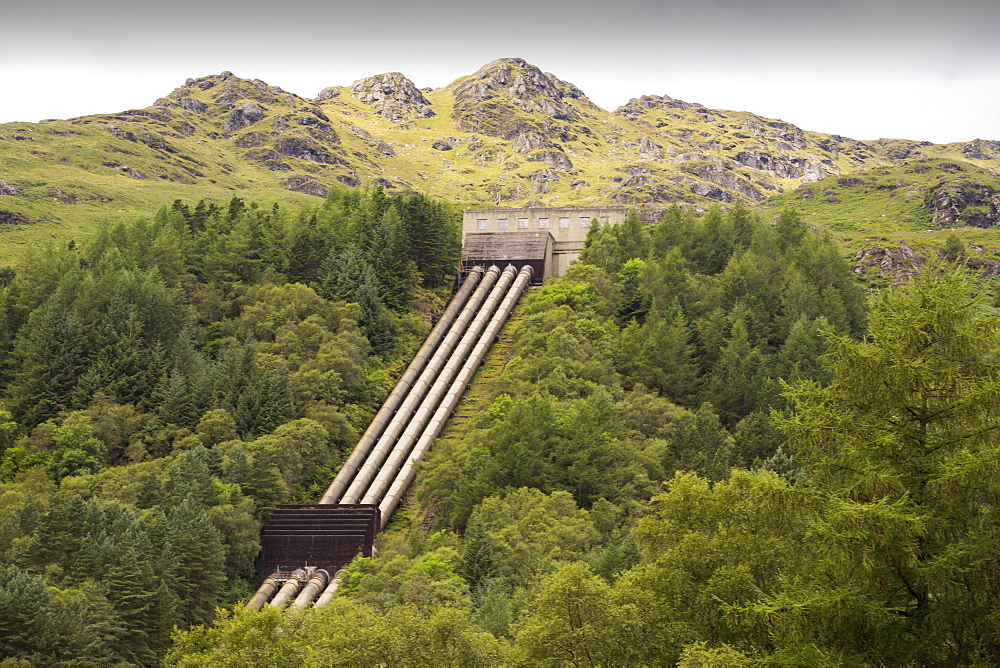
{"points": [[507, 134]]}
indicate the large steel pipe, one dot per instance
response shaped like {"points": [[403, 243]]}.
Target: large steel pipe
{"points": [[406, 474], [331, 589], [263, 594], [317, 583], [285, 594], [392, 403], [423, 414], [373, 462]]}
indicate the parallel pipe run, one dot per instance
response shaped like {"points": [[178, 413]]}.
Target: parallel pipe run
{"points": [[317, 583], [373, 462], [264, 593], [392, 403], [388, 470], [331, 589], [406, 474], [417, 409]]}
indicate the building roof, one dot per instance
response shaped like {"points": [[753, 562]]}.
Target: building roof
{"points": [[496, 246]]}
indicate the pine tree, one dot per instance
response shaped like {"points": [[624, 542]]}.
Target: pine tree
{"points": [[49, 361], [375, 318], [902, 448], [201, 560]]}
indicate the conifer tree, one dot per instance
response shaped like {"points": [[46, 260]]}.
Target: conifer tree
{"points": [[902, 447], [200, 560]]}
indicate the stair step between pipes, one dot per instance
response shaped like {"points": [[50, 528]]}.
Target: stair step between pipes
{"points": [[326, 536]]}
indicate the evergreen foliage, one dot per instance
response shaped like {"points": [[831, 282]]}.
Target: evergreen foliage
{"points": [[703, 450]]}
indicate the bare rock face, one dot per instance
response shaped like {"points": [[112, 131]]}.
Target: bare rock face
{"points": [[901, 262], [554, 159], [981, 150], [306, 185], [8, 188], [784, 167], [243, 116], [964, 203], [328, 93], [306, 149], [635, 107], [191, 104], [393, 97], [497, 97], [13, 218], [650, 150], [540, 181]]}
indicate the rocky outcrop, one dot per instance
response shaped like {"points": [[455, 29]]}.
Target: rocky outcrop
{"points": [[14, 218], [306, 185], [554, 159], [191, 104], [637, 106], [393, 97], [8, 188], [509, 97], [243, 116], [530, 141], [728, 181], [306, 149], [901, 262], [540, 181], [782, 167], [328, 93], [649, 150], [964, 203], [981, 150]]}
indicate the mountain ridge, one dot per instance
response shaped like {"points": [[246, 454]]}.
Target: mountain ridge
{"points": [[507, 134]]}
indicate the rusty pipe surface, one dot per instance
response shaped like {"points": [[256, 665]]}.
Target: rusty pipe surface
{"points": [[331, 589], [390, 467], [317, 583], [434, 426], [396, 397], [263, 594], [363, 477]]}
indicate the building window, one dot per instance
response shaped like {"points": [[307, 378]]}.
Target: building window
{"points": [[604, 220], [481, 224], [522, 223], [563, 223], [543, 223], [584, 221], [501, 223]]}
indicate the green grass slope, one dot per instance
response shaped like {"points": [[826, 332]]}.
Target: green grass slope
{"points": [[508, 134]]}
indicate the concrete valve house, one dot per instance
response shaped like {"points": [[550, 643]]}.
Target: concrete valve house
{"points": [[547, 239]]}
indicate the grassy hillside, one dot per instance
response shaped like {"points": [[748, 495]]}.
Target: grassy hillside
{"points": [[507, 134]]}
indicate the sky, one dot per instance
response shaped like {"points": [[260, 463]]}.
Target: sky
{"points": [[865, 69]]}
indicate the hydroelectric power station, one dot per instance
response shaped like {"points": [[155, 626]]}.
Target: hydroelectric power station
{"points": [[305, 546]]}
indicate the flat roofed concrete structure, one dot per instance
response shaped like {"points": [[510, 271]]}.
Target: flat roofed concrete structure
{"points": [[567, 227], [517, 247]]}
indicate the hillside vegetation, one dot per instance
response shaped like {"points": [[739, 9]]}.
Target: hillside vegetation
{"points": [[689, 457]]}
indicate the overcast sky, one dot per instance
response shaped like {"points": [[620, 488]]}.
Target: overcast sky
{"points": [[865, 69]]}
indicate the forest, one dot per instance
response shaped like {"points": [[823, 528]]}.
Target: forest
{"points": [[713, 444]]}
